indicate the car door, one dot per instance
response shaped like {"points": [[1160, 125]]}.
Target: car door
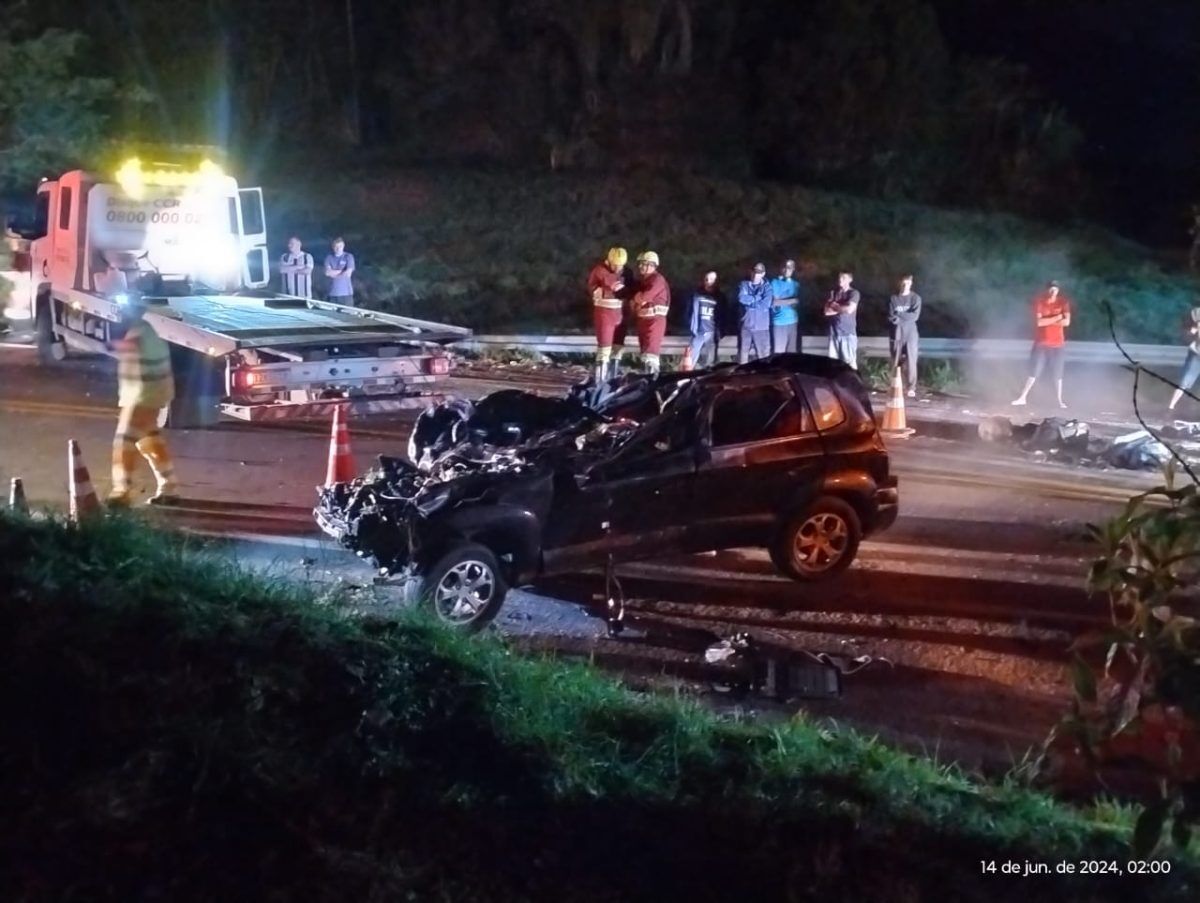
{"points": [[635, 504], [764, 457]]}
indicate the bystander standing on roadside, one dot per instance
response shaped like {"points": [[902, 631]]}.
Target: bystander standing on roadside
{"points": [[339, 268], [706, 316], [754, 300], [1191, 364], [841, 319], [785, 317], [904, 310], [295, 270], [1052, 316]]}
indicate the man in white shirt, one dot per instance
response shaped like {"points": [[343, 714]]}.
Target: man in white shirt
{"points": [[295, 269]]}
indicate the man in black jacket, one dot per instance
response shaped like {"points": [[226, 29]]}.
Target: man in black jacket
{"points": [[904, 310], [706, 319]]}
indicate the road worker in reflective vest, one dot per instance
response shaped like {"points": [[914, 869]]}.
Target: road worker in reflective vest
{"points": [[608, 287], [145, 386], [649, 306]]}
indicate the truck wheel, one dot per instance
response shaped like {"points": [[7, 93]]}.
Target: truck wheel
{"points": [[199, 387], [818, 543], [464, 588], [51, 349]]}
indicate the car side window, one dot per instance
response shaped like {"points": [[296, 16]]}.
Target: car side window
{"points": [[757, 414], [828, 409]]}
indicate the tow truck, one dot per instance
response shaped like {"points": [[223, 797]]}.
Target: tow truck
{"points": [[192, 243]]}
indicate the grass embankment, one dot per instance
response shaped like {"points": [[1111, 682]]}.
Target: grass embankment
{"points": [[510, 251], [173, 729]]}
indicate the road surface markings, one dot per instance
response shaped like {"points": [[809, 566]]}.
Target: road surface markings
{"points": [[55, 409]]}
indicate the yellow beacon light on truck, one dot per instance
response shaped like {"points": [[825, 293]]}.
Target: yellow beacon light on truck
{"points": [[133, 178]]}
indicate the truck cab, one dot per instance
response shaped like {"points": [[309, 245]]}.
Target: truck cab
{"points": [[197, 228]]}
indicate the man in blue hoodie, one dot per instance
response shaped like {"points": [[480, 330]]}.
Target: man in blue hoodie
{"points": [[785, 319], [755, 300]]}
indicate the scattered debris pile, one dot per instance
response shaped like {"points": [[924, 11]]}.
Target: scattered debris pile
{"points": [[744, 664], [1138, 450], [1072, 442]]}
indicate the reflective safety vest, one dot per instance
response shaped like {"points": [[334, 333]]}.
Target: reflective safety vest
{"points": [[144, 368], [653, 298], [601, 287]]}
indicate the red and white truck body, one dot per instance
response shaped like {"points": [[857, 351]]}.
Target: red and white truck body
{"points": [[199, 241]]}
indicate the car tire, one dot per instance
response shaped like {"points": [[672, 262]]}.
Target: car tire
{"points": [[464, 588], [818, 543]]}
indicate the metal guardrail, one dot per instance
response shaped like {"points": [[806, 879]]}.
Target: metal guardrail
{"points": [[868, 347]]}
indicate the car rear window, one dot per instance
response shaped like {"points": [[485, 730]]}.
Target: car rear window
{"points": [[758, 413], [828, 409]]}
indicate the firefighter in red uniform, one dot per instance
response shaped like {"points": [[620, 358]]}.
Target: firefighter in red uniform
{"points": [[649, 306], [608, 285]]}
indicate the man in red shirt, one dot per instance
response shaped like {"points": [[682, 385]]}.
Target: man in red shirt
{"points": [[1052, 314], [608, 286]]}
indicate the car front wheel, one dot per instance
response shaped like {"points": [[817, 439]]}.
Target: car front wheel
{"points": [[819, 542], [464, 588]]}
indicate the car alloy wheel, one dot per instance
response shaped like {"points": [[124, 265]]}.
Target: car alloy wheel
{"points": [[464, 591], [821, 542]]}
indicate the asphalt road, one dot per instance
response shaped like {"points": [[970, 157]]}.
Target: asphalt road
{"points": [[971, 598]]}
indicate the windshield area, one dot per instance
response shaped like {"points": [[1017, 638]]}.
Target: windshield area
{"points": [[671, 431]]}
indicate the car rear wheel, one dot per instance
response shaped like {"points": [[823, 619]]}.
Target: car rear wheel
{"points": [[464, 588], [818, 543]]}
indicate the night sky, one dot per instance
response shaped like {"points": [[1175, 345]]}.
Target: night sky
{"points": [[1128, 74]]}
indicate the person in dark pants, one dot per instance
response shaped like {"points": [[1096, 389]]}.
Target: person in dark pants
{"points": [[841, 319], [1191, 364], [706, 314], [755, 299], [904, 310], [785, 317], [1052, 316]]}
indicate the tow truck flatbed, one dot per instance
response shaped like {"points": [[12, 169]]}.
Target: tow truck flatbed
{"points": [[284, 353], [243, 321]]}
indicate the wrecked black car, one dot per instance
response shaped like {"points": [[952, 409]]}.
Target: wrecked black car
{"points": [[782, 453]]}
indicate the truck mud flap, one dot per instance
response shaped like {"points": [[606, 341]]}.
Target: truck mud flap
{"points": [[291, 410]]}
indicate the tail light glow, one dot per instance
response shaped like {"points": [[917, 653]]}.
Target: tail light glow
{"points": [[247, 379], [438, 365]]}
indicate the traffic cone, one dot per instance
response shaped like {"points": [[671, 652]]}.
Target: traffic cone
{"points": [[82, 495], [894, 424], [16, 497], [686, 363], [341, 461]]}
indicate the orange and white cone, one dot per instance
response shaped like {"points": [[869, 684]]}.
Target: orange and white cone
{"points": [[82, 496], [341, 461], [894, 424], [687, 363], [16, 497]]}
